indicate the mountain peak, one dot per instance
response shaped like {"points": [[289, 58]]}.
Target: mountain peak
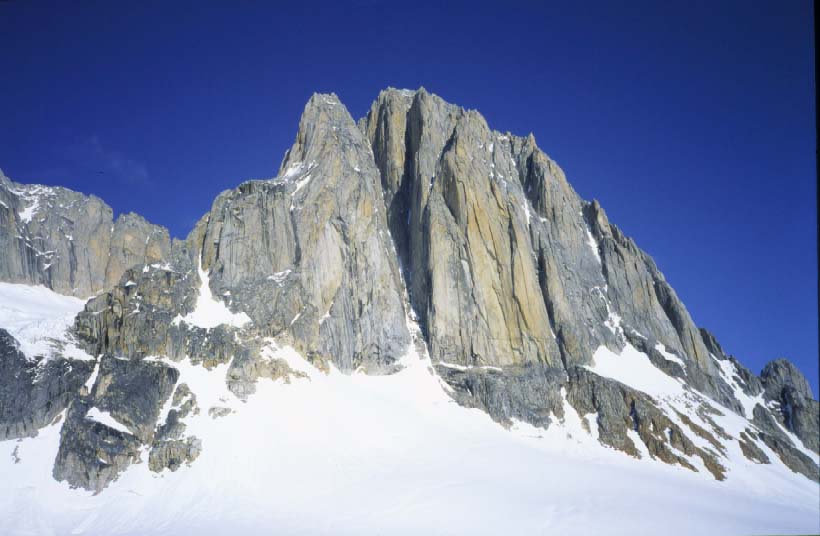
{"points": [[418, 253]]}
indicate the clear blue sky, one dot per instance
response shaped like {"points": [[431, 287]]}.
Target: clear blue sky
{"points": [[692, 122]]}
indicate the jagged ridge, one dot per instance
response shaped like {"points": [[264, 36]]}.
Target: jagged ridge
{"points": [[520, 287]]}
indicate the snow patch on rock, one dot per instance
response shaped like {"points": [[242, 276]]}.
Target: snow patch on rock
{"points": [[669, 356], [105, 418], [210, 312], [633, 368]]}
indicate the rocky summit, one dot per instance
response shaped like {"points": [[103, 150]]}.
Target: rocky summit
{"points": [[417, 232]]}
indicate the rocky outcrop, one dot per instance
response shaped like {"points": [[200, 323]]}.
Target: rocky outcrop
{"points": [[780, 375], [134, 242], [173, 453], [789, 392], [773, 436], [530, 393], [70, 242], [106, 428], [619, 410], [171, 449], [538, 395], [785, 404], [137, 318], [742, 377], [248, 367], [750, 449], [91, 454], [34, 391]]}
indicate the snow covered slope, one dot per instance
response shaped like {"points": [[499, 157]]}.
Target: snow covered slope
{"points": [[358, 454], [38, 318]]}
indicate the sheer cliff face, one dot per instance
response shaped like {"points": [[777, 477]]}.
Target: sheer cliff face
{"points": [[311, 253], [464, 239], [69, 242], [507, 265], [522, 291]]}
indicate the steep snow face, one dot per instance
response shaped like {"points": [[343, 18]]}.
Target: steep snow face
{"points": [[332, 453], [38, 318], [210, 312]]}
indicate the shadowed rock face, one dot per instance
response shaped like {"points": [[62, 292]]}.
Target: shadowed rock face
{"points": [[132, 392], [790, 395], [420, 210], [70, 242], [33, 392]]}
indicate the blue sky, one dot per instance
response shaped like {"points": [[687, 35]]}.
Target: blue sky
{"points": [[693, 123]]}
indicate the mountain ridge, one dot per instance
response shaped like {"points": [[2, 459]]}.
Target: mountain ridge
{"points": [[523, 292]]}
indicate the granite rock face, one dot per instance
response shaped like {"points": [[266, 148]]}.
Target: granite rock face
{"points": [[33, 392], [462, 236], [310, 252], [171, 449], [505, 263], [70, 242], [790, 396], [129, 395], [92, 454], [418, 212], [307, 256], [773, 435], [517, 283]]}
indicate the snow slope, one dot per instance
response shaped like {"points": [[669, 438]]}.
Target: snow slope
{"points": [[337, 454], [38, 318]]}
